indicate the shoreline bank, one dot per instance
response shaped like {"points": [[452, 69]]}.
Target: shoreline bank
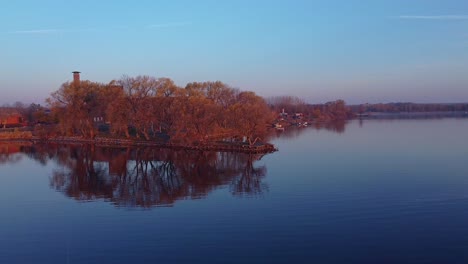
{"points": [[116, 142]]}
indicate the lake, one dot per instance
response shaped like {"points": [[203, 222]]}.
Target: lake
{"points": [[372, 191]]}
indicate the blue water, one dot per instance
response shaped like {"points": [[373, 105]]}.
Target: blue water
{"points": [[369, 192]]}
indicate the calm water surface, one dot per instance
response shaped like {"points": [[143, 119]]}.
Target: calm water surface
{"points": [[368, 192]]}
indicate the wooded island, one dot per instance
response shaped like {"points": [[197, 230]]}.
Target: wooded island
{"points": [[156, 110]]}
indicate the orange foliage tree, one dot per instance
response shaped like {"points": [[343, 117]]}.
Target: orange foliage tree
{"points": [[200, 112]]}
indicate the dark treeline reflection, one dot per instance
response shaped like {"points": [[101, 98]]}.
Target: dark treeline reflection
{"points": [[145, 177], [9, 153], [338, 126]]}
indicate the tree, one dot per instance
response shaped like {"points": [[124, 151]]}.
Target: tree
{"points": [[290, 104], [139, 91], [117, 111], [144, 106], [76, 107], [196, 119], [338, 110], [249, 117]]}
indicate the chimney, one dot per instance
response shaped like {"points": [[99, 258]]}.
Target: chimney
{"points": [[76, 78]]}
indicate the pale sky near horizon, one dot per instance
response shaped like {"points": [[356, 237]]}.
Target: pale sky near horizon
{"points": [[320, 50]]}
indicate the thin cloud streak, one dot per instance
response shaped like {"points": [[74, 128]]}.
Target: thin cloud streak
{"points": [[52, 31], [168, 25], [440, 17], [121, 28], [37, 31]]}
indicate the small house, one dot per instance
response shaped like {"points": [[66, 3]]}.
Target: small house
{"points": [[11, 118]]}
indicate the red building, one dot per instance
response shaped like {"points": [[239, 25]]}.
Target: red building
{"points": [[11, 118]]}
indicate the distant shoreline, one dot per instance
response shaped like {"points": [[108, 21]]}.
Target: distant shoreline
{"points": [[412, 115]]}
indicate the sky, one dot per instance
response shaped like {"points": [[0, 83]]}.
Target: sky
{"points": [[361, 51]]}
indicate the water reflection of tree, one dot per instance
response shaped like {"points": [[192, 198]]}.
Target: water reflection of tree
{"points": [[146, 177], [249, 181], [80, 177], [338, 126], [10, 153]]}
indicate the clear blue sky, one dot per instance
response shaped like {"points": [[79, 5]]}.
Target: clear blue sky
{"points": [[356, 50]]}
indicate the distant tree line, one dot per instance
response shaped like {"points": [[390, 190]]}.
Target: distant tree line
{"points": [[330, 111], [151, 108], [409, 107]]}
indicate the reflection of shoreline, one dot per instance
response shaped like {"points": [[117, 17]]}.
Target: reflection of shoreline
{"points": [[146, 177], [241, 147], [338, 126], [10, 153]]}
